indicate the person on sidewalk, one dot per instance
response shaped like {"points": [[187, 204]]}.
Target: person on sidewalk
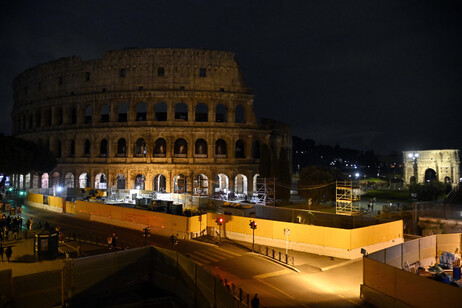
{"points": [[255, 302], [9, 252], [2, 250]]}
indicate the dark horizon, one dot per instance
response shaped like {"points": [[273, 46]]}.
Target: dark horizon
{"points": [[363, 75]]}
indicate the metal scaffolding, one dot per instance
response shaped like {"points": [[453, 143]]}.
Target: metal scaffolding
{"points": [[266, 191], [347, 198]]}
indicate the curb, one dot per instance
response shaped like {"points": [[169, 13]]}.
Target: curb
{"points": [[339, 264], [275, 261]]}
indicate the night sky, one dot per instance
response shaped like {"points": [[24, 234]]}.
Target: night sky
{"points": [[368, 75]]}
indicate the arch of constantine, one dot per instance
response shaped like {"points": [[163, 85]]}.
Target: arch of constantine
{"points": [[174, 120], [426, 166]]}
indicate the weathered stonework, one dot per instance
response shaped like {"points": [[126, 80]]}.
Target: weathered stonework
{"points": [[420, 166], [145, 112]]}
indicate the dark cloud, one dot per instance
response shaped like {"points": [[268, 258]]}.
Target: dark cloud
{"points": [[380, 75]]}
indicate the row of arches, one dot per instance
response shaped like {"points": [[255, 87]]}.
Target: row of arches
{"points": [[55, 116], [160, 148], [430, 175], [201, 184]]}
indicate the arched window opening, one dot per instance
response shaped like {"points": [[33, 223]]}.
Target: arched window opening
{"points": [[47, 117], [56, 179], [59, 116], [160, 148], [181, 112], [100, 181], [120, 181], [181, 148], [86, 150], [201, 185], [201, 148], [412, 180], [161, 112], [255, 183], [220, 148], [240, 184], [105, 113], [121, 147], [72, 149], [202, 113], [27, 181], [139, 182], [240, 114], [88, 114], [35, 181], [159, 183], [45, 180], [74, 115], [239, 150], [141, 112], [140, 148], [69, 180], [221, 187], [103, 148], [221, 114], [31, 121], [84, 180], [179, 184], [447, 180], [122, 112], [256, 149]]}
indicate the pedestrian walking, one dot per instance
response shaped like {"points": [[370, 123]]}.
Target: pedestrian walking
{"points": [[2, 250], [255, 302], [8, 252]]}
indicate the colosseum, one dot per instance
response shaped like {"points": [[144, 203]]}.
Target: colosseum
{"points": [[173, 120]]}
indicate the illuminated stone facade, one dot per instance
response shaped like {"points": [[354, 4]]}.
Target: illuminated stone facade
{"points": [[425, 166], [163, 119]]}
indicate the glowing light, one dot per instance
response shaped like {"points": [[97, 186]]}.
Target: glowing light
{"points": [[59, 189]]}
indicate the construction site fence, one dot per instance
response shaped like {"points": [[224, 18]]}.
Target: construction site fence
{"points": [[99, 279], [388, 278]]}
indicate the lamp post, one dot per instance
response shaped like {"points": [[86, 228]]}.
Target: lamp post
{"points": [[414, 157], [287, 233], [253, 226], [219, 222]]}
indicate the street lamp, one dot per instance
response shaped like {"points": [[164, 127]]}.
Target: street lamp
{"points": [[253, 226], [414, 156], [287, 233]]}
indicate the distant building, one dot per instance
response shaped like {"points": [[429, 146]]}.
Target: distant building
{"points": [[175, 120], [427, 166]]}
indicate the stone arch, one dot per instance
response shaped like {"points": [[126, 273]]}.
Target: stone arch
{"points": [[105, 113], [27, 181], [181, 112], [69, 181], [58, 116], [141, 111], [255, 183], [159, 183], [180, 148], [55, 179], [201, 185], [220, 149], [45, 180], [100, 181], [201, 148], [221, 113], [73, 115], [221, 183], [239, 116], [140, 148], [88, 115], [202, 113], [122, 112], [447, 180], [160, 147], [121, 147], [86, 147], [84, 180], [103, 148], [180, 184], [412, 180], [35, 181], [120, 181], [240, 184], [239, 150], [430, 175], [161, 111], [140, 182]]}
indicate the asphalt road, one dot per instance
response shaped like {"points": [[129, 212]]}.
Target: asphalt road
{"points": [[276, 285]]}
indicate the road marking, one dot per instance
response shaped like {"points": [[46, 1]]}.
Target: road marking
{"points": [[272, 274], [195, 260], [206, 256], [277, 289], [229, 252]]}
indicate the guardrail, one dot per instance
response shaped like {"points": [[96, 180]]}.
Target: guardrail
{"points": [[276, 255], [239, 294]]}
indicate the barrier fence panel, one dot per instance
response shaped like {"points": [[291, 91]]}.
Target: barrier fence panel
{"points": [[43, 289]]}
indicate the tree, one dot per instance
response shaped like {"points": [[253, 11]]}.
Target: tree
{"points": [[317, 183], [19, 156], [284, 178]]}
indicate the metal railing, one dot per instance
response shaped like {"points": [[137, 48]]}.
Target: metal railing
{"points": [[239, 294], [276, 255]]}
